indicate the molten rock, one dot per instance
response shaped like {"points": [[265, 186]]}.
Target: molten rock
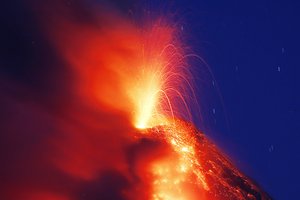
{"points": [[190, 167]]}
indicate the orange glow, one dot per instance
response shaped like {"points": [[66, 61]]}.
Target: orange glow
{"points": [[176, 175], [142, 73], [161, 77]]}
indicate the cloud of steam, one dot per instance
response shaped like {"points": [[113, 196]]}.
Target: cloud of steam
{"points": [[66, 127]]}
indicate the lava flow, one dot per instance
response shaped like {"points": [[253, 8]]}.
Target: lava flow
{"points": [[196, 169], [113, 126]]}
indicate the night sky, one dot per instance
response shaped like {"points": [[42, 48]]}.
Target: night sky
{"points": [[250, 99], [252, 48]]}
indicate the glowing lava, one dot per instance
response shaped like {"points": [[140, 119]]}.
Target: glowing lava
{"points": [[173, 174], [157, 91], [196, 169]]}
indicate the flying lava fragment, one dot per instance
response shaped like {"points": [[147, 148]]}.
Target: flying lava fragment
{"points": [[117, 123]]}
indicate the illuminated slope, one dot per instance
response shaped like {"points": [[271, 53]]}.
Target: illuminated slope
{"points": [[195, 169]]}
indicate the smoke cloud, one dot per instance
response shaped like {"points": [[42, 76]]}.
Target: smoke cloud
{"points": [[66, 116]]}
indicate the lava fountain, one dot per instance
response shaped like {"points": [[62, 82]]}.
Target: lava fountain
{"points": [[123, 130]]}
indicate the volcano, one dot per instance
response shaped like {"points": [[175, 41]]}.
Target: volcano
{"points": [[195, 168], [105, 124]]}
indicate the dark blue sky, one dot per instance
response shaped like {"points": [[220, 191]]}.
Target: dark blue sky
{"points": [[252, 48]]}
